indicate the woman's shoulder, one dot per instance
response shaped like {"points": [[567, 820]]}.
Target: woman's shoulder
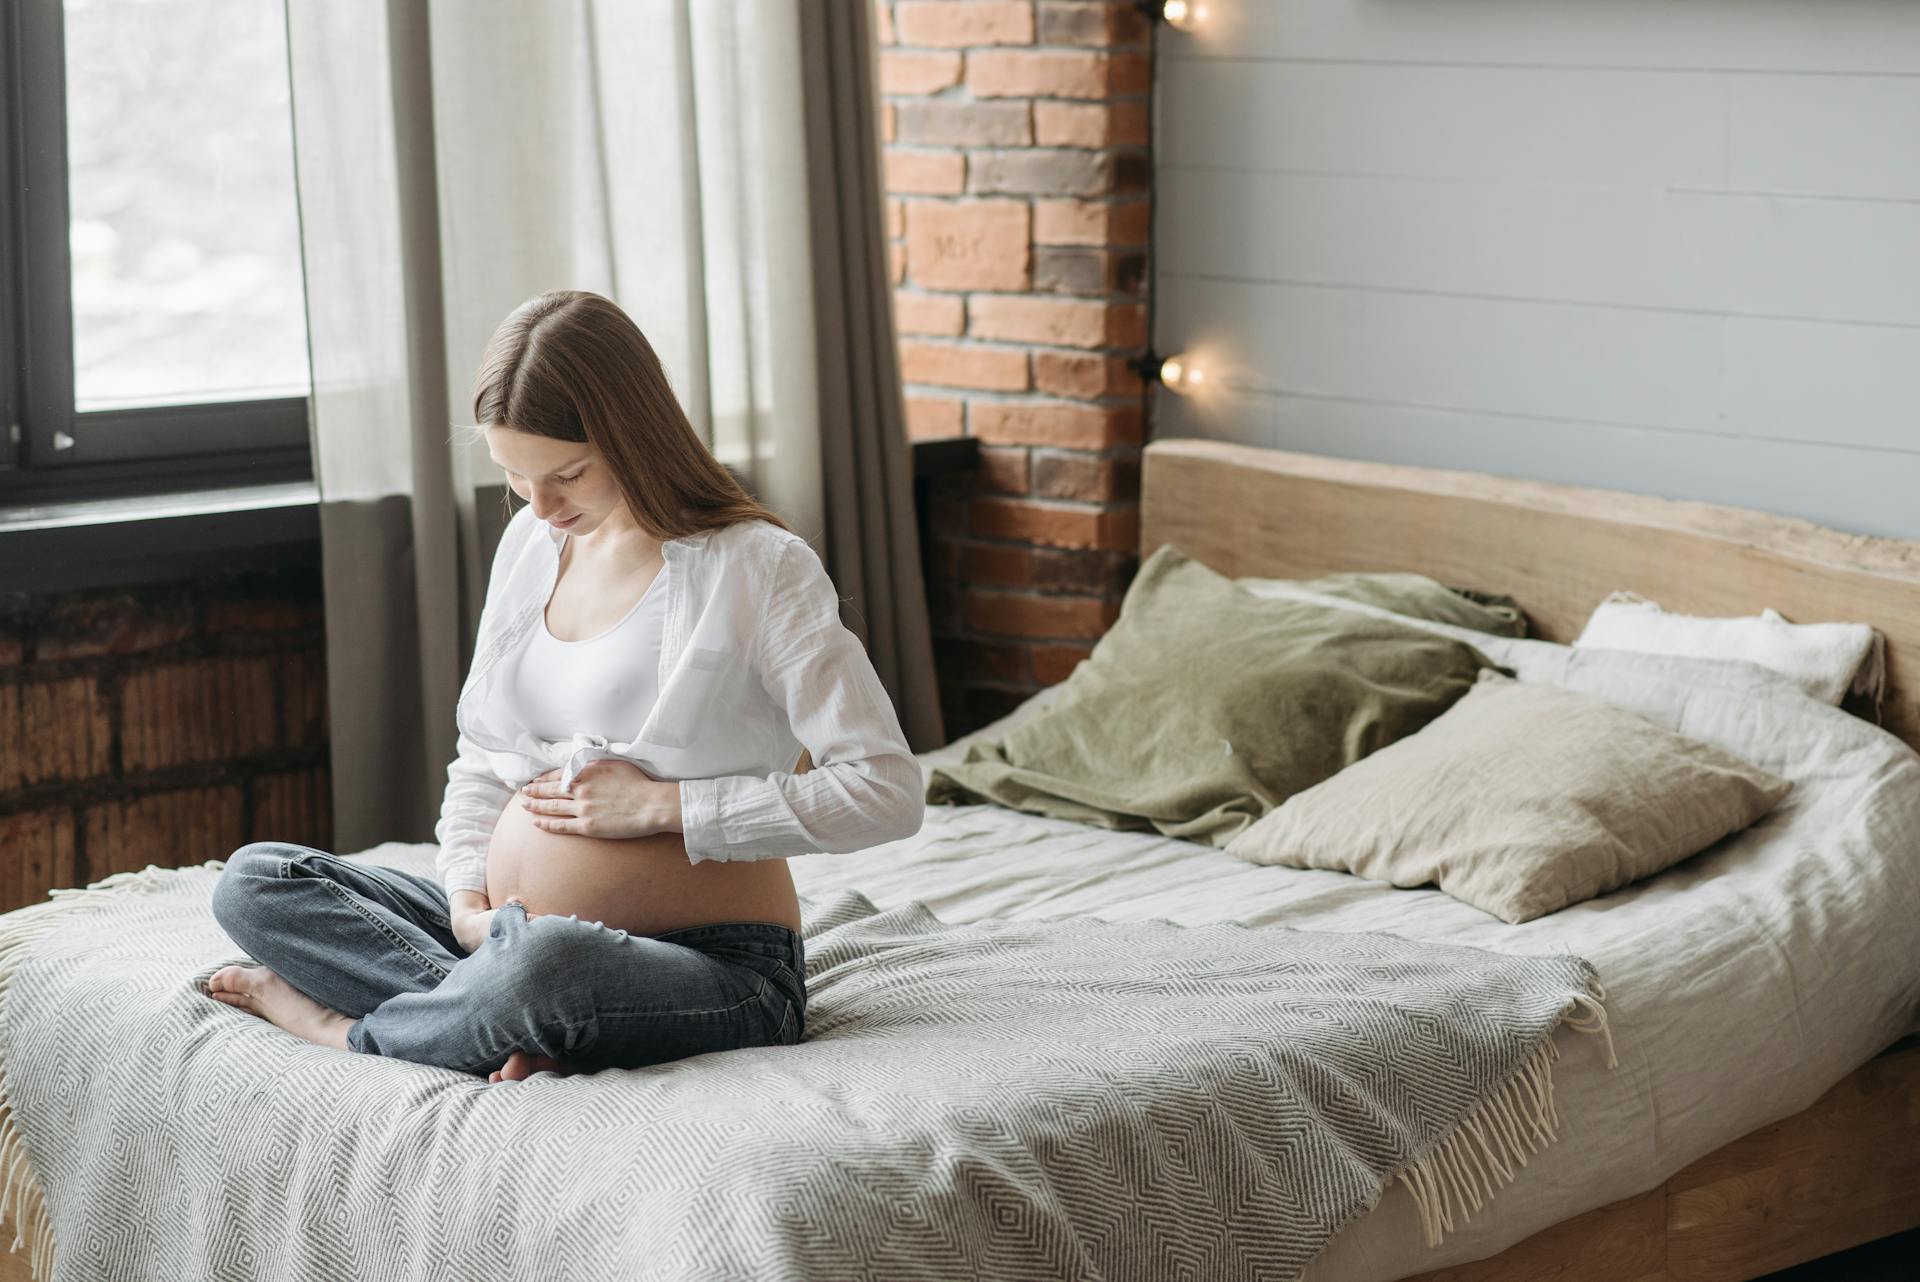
{"points": [[762, 540], [773, 567]]}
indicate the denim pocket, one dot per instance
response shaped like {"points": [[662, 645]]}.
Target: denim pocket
{"points": [[783, 975], [780, 1017], [787, 994]]}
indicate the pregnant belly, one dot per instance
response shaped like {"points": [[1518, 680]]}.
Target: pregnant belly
{"points": [[644, 885]]}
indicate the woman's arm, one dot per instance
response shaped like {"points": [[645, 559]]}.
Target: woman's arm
{"points": [[469, 811], [470, 917], [475, 797], [865, 787]]}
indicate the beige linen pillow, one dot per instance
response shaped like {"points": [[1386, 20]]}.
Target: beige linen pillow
{"points": [[1519, 799]]}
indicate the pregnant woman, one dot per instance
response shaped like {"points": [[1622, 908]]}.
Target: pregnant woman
{"points": [[663, 706]]}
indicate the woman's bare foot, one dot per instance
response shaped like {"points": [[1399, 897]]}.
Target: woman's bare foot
{"points": [[259, 991], [520, 1065]]}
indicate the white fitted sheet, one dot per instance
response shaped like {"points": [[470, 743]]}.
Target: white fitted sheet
{"points": [[1741, 984]]}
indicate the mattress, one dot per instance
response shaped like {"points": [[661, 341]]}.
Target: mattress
{"points": [[1741, 984]]}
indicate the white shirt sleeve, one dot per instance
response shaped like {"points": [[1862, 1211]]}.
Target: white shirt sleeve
{"points": [[475, 797], [469, 812], [865, 788]]}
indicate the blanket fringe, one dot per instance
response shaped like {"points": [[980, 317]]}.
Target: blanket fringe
{"points": [[22, 1200], [1463, 1171]]}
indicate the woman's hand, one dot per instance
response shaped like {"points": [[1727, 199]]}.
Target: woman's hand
{"points": [[470, 926], [471, 921], [612, 797]]}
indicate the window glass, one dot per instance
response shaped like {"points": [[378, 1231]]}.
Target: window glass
{"points": [[186, 263]]}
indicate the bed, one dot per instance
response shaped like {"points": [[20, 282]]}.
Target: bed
{"points": [[1829, 1161], [1824, 1170], [1737, 1135]]}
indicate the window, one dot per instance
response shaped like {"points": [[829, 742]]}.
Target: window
{"points": [[152, 317]]}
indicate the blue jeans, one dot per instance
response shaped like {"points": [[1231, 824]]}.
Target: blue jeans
{"points": [[375, 944]]}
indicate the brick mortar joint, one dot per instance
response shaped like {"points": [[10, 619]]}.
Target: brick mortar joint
{"points": [[986, 593], [988, 396], [1028, 149], [963, 199], [1116, 300], [92, 790], [1036, 45], [1064, 505], [959, 94], [1117, 558], [942, 391], [1105, 452], [212, 645], [966, 343]]}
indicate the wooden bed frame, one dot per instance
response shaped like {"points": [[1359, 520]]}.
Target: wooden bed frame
{"points": [[1847, 1169]]}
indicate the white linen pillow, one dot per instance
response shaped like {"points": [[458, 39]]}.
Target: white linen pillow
{"points": [[1827, 660]]}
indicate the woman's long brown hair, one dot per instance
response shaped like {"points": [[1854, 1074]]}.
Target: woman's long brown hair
{"points": [[571, 365]]}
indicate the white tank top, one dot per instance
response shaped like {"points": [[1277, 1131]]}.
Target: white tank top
{"points": [[604, 685]]}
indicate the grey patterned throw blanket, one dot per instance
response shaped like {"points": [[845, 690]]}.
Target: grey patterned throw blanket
{"points": [[1055, 1099]]}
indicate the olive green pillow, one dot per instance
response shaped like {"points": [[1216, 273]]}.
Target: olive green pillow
{"points": [[1520, 799], [1205, 706], [1412, 594]]}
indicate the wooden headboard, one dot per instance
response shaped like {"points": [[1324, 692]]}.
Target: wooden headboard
{"points": [[1556, 549]]}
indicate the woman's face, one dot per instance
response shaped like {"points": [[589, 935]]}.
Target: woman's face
{"points": [[566, 482]]}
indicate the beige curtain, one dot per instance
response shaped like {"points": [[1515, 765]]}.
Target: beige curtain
{"points": [[712, 166], [867, 464]]}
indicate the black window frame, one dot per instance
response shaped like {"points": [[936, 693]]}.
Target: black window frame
{"points": [[106, 453]]}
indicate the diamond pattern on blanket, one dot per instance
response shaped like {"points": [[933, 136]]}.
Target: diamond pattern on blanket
{"points": [[1047, 1099]]}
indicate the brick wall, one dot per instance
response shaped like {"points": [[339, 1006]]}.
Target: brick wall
{"points": [[1017, 175], [165, 725]]}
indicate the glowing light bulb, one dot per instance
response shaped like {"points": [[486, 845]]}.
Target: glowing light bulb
{"points": [[1184, 15], [1180, 374]]}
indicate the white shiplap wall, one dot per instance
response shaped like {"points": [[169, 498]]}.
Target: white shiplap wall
{"points": [[1669, 246]]}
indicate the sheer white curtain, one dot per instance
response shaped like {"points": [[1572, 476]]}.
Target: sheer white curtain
{"points": [[678, 156]]}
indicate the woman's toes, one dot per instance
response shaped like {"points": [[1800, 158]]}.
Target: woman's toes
{"points": [[521, 1065], [233, 985], [258, 991]]}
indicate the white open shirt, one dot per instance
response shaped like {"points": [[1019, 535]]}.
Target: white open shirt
{"points": [[755, 665]]}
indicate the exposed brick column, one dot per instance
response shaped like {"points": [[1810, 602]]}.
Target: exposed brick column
{"points": [[1018, 179]]}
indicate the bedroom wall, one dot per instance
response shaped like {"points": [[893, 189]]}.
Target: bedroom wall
{"points": [[169, 723], [1017, 175], [1668, 248]]}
